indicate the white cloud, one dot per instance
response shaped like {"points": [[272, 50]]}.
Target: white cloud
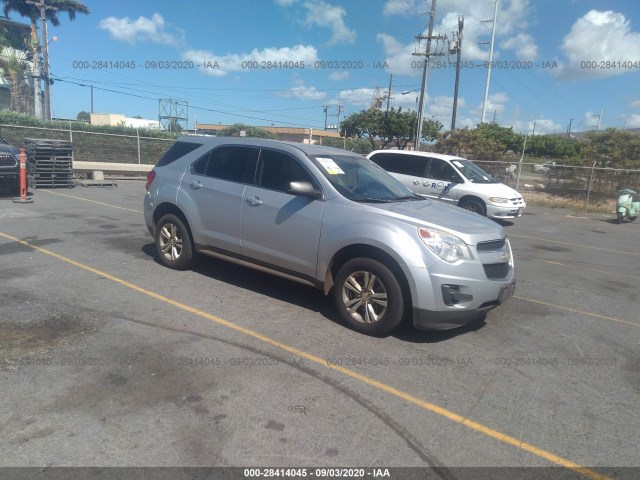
{"points": [[302, 92], [285, 3], [140, 30], [496, 105], [632, 121], [336, 76], [400, 7], [598, 37], [510, 30], [399, 57], [524, 46], [635, 104], [590, 120], [359, 96], [248, 62], [441, 108], [325, 15], [542, 125]]}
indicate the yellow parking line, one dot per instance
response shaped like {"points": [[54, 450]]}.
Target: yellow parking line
{"points": [[92, 201], [575, 244], [555, 262], [575, 310], [527, 447]]}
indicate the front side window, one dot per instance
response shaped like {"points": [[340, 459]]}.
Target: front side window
{"points": [[361, 180], [441, 170], [473, 172], [276, 170]]}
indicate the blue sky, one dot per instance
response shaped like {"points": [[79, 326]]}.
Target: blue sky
{"points": [[349, 48]]}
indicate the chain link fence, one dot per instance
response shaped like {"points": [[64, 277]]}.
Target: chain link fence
{"points": [[94, 147], [586, 188]]}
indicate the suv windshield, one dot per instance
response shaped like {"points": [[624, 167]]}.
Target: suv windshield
{"points": [[361, 180], [473, 172]]}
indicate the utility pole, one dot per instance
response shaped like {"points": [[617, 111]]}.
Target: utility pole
{"points": [[339, 112], [35, 47], [325, 117], [386, 113], [426, 56], [486, 87], [45, 52], [534, 128], [569, 129], [458, 51], [92, 98], [494, 116]]}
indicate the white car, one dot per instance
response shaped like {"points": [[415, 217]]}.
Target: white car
{"points": [[543, 168], [451, 179]]}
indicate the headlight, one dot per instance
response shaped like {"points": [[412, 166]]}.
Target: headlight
{"points": [[499, 200], [447, 246]]}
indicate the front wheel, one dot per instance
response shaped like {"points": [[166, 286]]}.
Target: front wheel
{"points": [[368, 296], [619, 218], [475, 206], [173, 243]]}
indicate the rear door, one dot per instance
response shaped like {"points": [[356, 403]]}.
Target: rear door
{"points": [[280, 229], [216, 184], [409, 169]]}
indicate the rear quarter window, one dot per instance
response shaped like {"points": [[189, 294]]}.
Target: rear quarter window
{"points": [[177, 150]]}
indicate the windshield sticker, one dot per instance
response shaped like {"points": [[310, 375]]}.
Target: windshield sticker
{"points": [[330, 166], [457, 164]]}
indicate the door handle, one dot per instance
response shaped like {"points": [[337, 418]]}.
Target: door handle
{"points": [[195, 185], [255, 201], [416, 182]]}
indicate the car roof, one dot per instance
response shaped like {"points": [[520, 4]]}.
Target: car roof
{"points": [[441, 156], [306, 148]]}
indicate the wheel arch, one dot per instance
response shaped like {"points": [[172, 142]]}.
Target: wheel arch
{"points": [[475, 198], [166, 208], [350, 252]]}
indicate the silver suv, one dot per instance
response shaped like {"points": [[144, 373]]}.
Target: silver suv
{"points": [[330, 219]]}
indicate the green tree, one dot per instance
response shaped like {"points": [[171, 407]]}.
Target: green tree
{"points": [[254, 132], [84, 116], [612, 148], [382, 129]]}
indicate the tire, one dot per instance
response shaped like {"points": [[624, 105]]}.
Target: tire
{"points": [[619, 218], [475, 206], [382, 308], [173, 243]]}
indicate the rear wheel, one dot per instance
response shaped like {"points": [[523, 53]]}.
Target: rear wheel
{"points": [[368, 296], [173, 243], [475, 206]]}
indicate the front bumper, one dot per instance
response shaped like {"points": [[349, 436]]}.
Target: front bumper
{"points": [[506, 211], [474, 295]]}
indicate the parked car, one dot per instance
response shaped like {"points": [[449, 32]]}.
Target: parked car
{"points": [[9, 167], [453, 180], [331, 219], [544, 168]]}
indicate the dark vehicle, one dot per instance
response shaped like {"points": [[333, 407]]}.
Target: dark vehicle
{"points": [[9, 167]]}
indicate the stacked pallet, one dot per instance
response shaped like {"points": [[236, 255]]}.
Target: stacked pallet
{"points": [[49, 162]]}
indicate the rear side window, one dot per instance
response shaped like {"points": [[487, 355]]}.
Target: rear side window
{"points": [[235, 164], [177, 150], [403, 164]]}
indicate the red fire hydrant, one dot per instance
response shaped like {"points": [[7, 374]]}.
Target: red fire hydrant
{"points": [[23, 180]]}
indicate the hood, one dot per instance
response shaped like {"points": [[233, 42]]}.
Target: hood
{"points": [[469, 226], [6, 148]]}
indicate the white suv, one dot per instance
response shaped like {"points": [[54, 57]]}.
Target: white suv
{"points": [[454, 180]]}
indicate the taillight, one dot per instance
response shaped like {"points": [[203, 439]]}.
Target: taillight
{"points": [[150, 177]]}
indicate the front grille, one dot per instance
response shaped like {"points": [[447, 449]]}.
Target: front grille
{"points": [[491, 245], [8, 161], [496, 270]]}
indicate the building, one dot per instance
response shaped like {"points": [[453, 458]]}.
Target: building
{"points": [[289, 134], [119, 120]]}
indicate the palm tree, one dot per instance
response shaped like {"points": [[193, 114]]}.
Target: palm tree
{"points": [[32, 11], [16, 63]]}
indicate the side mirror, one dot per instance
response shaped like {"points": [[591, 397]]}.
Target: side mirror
{"points": [[304, 189]]}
